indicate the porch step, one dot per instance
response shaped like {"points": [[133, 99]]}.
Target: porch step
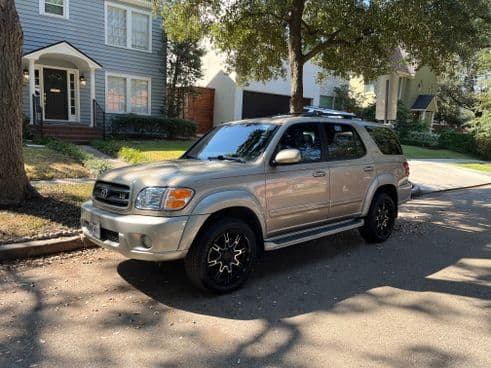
{"points": [[69, 133]]}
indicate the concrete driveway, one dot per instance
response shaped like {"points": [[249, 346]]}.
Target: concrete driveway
{"points": [[421, 299], [436, 175]]}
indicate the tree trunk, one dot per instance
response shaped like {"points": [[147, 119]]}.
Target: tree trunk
{"points": [[295, 57], [14, 185]]}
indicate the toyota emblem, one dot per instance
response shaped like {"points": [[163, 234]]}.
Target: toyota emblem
{"points": [[104, 192]]}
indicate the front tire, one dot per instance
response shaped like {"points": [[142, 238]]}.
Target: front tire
{"points": [[222, 257], [380, 219]]}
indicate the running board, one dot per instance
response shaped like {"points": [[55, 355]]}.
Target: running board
{"points": [[297, 237]]}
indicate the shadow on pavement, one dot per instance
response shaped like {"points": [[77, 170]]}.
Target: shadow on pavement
{"points": [[317, 276]]}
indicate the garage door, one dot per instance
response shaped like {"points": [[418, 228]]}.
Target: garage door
{"points": [[256, 104]]}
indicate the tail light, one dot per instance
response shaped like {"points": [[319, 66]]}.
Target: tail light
{"points": [[406, 167]]}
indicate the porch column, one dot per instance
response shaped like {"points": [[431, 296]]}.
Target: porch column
{"points": [[92, 96], [32, 87]]}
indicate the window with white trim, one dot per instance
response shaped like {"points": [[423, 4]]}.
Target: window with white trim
{"points": [[128, 27], [128, 94], [56, 8]]}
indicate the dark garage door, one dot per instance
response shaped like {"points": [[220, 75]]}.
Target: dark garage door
{"points": [[256, 104]]}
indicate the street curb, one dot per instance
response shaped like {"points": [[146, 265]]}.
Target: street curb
{"points": [[420, 193], [38, 248]]}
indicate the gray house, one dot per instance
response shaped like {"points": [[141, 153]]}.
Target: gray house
{"points": [[84, 59]]}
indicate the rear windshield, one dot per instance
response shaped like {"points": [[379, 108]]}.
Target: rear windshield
{"points": [[386, 140]]}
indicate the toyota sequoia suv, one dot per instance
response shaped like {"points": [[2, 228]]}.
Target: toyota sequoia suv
{"points": [[251, 186]]}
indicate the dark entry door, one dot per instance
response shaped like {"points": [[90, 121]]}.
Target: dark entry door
{"points": [[55, 94]]}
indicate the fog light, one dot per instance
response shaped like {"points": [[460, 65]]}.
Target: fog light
{"points": [[146, 242]]}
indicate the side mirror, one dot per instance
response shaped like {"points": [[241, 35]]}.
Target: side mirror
{"points": [[288, 156]]}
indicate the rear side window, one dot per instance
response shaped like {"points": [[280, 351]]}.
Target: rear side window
{"points": [[343, 143], [386, 140]]}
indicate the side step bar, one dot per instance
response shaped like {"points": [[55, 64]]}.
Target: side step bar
{"points": [[297, 237]]}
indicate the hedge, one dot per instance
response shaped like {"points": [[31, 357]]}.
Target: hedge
{"points": [[457, 141], [137, 126]]}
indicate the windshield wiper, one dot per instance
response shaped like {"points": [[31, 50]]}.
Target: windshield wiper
{"points": [[190, 157], [225, 157]]}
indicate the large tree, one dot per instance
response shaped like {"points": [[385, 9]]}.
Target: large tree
{"points": [[264, 39], [14, 185]]}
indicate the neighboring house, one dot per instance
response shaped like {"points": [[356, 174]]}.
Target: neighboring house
{"points": [[82, 58], [233, 101], [415, 87]]}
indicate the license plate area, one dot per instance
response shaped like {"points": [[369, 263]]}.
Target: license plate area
{"points": [[94, 229]]}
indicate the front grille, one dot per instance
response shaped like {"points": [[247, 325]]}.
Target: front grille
{"points": [[113, 194]]}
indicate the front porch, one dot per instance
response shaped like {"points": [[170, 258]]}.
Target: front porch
{"points": [[60, 93]]}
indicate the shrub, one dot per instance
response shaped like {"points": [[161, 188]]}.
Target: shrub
{"points": [[483, 146], [118, 149], [109, 147], [95, 165], [132, 125], [422, 139], [131, 155], [456, 141]]}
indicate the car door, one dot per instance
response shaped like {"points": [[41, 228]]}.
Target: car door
{"points": [[298, 194], [351, 169]]}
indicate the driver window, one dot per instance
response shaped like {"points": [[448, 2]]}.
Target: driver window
{"points": [[305, 138]]}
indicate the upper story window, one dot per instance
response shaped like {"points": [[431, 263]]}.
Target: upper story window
{"points": [[55, 8], [128, 27], [369, 87]]}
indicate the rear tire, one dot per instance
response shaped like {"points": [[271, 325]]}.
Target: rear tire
{"points": [[222, 257], [380, 219]]}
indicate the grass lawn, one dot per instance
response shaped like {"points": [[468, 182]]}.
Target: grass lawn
{"points": [[160, 150], [58, 210], [47, 164], [476, 166], [143, 151], [413, 152]]}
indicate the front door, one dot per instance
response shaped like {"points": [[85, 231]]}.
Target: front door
{"points": [[298, 195], [55, 94]]}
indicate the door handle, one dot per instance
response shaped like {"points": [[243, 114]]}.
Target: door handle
{"points": [[368, 168], [319, 173]]}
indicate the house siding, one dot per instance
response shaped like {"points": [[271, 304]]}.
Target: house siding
{"points": [[85, 29]]}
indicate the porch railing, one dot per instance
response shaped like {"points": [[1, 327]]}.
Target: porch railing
{"points": [[99, 117], [37, 112]]}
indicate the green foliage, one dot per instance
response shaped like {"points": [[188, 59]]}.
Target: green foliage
{"points": [[368, 113], [130, 155], [421, 139], [483, 146], [95, 165], [457, 141], [109, 147], [257, 36], [183, 70], [132, 125], [406, 122]]}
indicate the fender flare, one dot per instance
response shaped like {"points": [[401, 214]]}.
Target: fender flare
{"points": [[215, 202], [377, 182]]}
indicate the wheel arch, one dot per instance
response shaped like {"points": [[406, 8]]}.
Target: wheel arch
{"points": [[238, 204], [384, 183]]}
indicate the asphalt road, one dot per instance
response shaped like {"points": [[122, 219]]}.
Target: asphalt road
{"points": [[421, 299]]}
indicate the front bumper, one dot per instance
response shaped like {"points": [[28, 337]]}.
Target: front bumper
{"points": [[124, 233]]}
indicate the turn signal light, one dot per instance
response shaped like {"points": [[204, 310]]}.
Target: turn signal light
{"points": [[177, 198]]}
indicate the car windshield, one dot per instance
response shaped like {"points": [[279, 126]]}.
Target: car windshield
{"points": [[235, 142]]}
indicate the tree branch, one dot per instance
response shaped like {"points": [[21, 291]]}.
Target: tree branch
{"points": [[332, 41]]}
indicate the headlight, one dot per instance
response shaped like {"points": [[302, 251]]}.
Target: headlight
{"points": [[158, 198]]}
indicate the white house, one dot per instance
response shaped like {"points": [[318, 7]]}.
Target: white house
{"points": [[256, 99]]}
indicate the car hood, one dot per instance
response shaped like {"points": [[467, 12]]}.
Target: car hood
{"points": [[174, 173]]}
